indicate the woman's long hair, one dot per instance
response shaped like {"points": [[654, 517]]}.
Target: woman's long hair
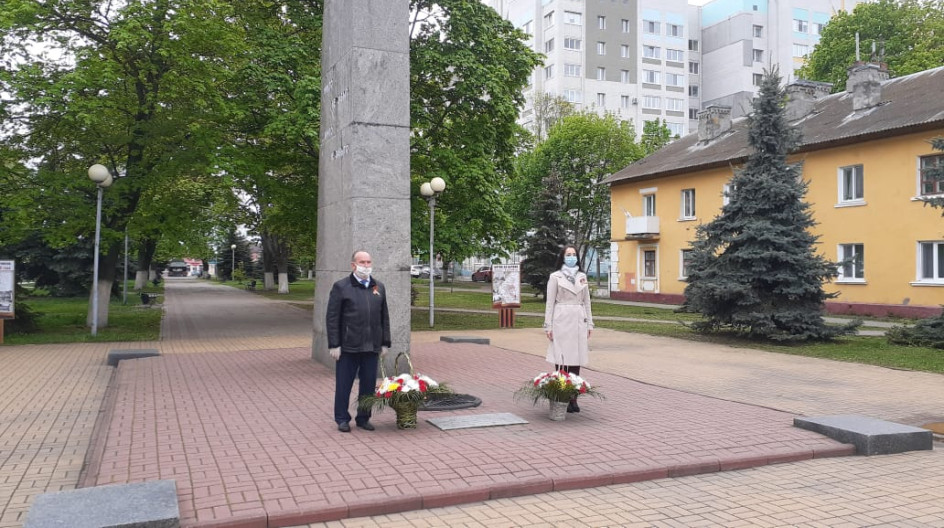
{"points": [[560, 257]]}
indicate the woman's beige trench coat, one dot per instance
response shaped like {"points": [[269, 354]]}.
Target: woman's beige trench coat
{"points": [[568, 316]]}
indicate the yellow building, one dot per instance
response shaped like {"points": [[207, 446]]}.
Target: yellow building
{"points": [[862, 152]]}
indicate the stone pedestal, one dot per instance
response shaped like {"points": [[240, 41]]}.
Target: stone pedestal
{"points": [[364, 167]]}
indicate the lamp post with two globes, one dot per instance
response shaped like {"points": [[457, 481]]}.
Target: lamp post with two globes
{"points": [[102, 177], [430, 190]]}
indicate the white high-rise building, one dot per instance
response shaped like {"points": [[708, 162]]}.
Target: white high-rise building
{"points": [[665, 59]]}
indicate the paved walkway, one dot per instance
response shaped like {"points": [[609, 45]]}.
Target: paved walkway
{"points": [[218, 394]]}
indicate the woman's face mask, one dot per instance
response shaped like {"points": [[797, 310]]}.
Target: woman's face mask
{"points": [[570, 261]]}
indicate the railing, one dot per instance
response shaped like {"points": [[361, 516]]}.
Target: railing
{"points": [[642, 226]]}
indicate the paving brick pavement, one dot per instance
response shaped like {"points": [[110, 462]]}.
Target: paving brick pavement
{"points": [[249, 437]]}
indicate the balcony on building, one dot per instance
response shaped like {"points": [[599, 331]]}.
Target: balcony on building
{"points": [[642, 227]]}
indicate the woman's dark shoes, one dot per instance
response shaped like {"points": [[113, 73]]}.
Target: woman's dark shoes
{"points": [[572, 407]]}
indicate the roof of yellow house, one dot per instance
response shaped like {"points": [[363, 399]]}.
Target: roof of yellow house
{"points": [[907, 104]]}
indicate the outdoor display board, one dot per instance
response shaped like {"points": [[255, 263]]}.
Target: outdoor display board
{"points": [[506, 286], [7, 282]]}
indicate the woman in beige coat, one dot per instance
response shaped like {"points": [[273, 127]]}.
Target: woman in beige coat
{"points": [[568, 320]]}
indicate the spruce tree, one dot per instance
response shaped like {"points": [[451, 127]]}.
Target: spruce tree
{"points": [[754, 268], [545, 243]]}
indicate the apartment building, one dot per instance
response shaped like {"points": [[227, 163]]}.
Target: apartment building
{"points": [[648, 59]]}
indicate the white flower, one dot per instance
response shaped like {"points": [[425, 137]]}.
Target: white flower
{"points": [[429, 381]]}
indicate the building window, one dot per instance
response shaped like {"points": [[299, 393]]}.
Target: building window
{"points": [[758, 31], [601, 99], [851, 184], [685, 263], [693, 90], [549, 71], [571, 17], [693, 113], [673, 30], [652, 52], [757, 78], [818, 28], [727, 190], [931, 262], [674, 79], [676, 129], [528, 27], [624, 101], [801, 50], [549, 46], [651, 77], [651, 101], [571, 70], [651, 27], [624, 51], [601, 22], [692, 45], [851, 262], [549, 19], [572, 96], [649, 205], [624, 76], [601, 48], [758, 55], [572, 44], [624, 25], [675, 55], [649, 263], [693, 68], [675, 105], [688, 204], [801, 26], [601, 73], [929, 184]]}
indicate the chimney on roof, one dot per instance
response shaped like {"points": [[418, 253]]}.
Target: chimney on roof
{"points": [[865, 84], [802, 96], [713, 121]]}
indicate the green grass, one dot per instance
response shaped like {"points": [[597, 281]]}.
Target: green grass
{"points": [[63, 321]]}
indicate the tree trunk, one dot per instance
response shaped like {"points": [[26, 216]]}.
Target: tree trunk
{"points": [[146, 249], [269, 280], [107, 269], [268, 261], [283, 282], [276, 254]]}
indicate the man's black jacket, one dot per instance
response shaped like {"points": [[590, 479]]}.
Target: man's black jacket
{"points": [[357, 319]]}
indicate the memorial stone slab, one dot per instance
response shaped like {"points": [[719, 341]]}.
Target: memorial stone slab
{"points": [[465, 339], [470, 421], [139, 505], [869, 435], [117, 354]]}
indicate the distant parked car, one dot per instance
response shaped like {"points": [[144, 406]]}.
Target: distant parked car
{"points": [[424, 273], [416, 270], [483, 274]]}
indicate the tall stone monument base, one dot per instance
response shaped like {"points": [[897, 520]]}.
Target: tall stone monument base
{"points": [[364, 168]]}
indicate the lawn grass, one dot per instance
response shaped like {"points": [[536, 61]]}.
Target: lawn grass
{"points": [[63, 321]]}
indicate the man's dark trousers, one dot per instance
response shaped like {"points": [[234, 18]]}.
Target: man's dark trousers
{"points": [[362, 365]]}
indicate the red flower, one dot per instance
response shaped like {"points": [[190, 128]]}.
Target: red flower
{"points": [[422, 386]]}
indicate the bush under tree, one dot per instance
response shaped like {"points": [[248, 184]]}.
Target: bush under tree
{"points": [[925, 333], [754, 269]]}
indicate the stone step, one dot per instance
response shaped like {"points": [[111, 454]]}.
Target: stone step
{"points": [[139, 505], [870, 436]]}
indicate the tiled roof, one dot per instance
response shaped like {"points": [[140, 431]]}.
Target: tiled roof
{"points": [[909, 104]]}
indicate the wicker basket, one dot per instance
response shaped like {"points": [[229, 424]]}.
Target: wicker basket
{"points": [[406, 411]]}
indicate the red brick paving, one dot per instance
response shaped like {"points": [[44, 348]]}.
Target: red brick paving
{"points": [[250, 440]]}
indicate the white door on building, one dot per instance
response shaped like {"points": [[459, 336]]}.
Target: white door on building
{"points": [[648, 259]]}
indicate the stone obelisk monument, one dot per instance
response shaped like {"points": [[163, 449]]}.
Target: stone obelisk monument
{"points": [[364, 167]]}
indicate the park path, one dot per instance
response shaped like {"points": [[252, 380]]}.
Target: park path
{"points": [[53, 394]]}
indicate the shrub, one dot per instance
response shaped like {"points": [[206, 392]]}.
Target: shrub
{"points": [[925, 333]]}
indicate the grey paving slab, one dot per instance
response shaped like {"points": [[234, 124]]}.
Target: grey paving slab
{"points": [[137, 505], [465, 339], [119, 354], [472, 421], [870, 436]]}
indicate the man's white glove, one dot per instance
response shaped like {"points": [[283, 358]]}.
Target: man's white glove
{"points": [[383, 351], [335, 353]]}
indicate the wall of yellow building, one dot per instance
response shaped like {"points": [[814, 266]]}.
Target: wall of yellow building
{"points": [[889, 224]]}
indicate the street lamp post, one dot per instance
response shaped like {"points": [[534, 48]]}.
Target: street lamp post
{"points": [[430, 190], [232, 273], [102, 178]]}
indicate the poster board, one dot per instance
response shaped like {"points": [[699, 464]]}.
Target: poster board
{"points": [[7, 286], [506, 286]]}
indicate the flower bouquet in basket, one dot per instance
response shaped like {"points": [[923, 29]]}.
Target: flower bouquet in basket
{"points": [[558, 388], [403, 393]]}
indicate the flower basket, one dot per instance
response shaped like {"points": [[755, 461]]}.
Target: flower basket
{"points": [[403, 393], [558, 388]]}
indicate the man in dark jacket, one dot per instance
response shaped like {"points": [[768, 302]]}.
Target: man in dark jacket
{"points": [[358, 328]]}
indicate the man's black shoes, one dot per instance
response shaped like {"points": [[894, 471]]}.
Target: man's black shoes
{"points": [[344, 427], [367, 426]]}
